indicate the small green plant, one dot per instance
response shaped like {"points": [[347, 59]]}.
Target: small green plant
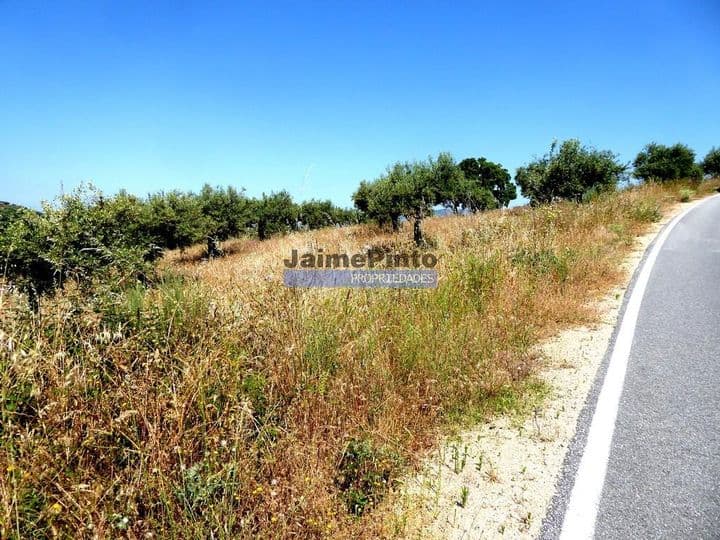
{"points": [[365, 472], [479, 463], [253, 386], [459, 458], [545, 261], [621, 233], [464, 494], [686, 194], [645, 211], [199, 488]]}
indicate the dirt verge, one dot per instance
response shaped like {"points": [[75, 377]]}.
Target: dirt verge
{"points": [[497, 480]]}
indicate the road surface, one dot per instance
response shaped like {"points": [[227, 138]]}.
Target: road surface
{"points": [[662, 464]]}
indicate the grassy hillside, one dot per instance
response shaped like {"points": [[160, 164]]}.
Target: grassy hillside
{"points": [[219, 403]]}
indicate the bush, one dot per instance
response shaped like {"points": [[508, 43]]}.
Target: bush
{"points": [[569, 173], [686, 195], [82, 237], [645, 211], [663, 163], [365, 474]]}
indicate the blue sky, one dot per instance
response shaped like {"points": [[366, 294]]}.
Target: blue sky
{"points": [[316, 96]]}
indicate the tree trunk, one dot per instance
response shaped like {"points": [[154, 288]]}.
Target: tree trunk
{"points": [[395, 223], [417, 231]]}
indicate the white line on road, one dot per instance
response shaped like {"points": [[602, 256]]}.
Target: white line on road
{"points": [[581, 513]]}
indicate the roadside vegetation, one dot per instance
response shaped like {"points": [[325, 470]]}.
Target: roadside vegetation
{"points": [[167, 397]]}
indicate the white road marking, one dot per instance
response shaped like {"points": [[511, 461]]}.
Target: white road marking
{"points": [[581, 513]]}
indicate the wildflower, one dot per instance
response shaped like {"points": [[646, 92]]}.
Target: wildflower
{"points": [[55, 508]]}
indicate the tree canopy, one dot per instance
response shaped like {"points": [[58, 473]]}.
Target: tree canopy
{"points": [[85, 234], [662, 163], [711, 163], [486, 176], [569, 171], [411, 190]]}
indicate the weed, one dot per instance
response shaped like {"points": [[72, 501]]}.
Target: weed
{"points": [[686, 194], [459, 458], [645, 211], [464, 493], [365, 474], [479, 463]]}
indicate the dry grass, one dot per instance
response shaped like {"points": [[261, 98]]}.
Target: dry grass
{"points": [[220, 404]]}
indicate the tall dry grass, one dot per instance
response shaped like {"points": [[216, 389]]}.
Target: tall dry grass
{"points": [[220, 404]]}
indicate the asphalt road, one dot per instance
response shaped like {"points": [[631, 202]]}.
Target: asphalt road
{"points": [[663, 471]]}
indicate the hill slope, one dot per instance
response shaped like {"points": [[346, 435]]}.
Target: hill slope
{"points": [[220, 402]]}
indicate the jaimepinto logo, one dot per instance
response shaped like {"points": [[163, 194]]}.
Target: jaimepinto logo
{"points": [[359, 270]]}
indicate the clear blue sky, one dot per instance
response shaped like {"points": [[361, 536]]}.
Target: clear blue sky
{"points": [[314, 97]]}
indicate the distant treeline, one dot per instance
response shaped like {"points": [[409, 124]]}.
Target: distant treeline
{"points": [[86, 234], [568, 170], [411, 190]]}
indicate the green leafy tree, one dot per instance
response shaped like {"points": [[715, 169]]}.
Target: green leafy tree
{"points": [[410, 190], [427, 184], [481, 175], [363, 194], [711, 163], [123, 219], [568, 172], [9, 213], [229, 211], [347, 216], [474, 197], [275, 213], [317, 214], [314, 214], [24, 245], [81, 237], [176, 219], [662, 163], [382, 200]]}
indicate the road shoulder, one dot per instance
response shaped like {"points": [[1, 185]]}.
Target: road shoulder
{"points": [[507, 470]]}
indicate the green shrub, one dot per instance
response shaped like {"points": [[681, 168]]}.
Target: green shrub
{"points": [[645, 211], [544, 261], [82, 238], [686, 194], [365, 474]]}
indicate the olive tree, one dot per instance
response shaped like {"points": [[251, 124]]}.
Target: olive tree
{"points": [[662, 163], [711, 163], [481, 176], [569, 171]]}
